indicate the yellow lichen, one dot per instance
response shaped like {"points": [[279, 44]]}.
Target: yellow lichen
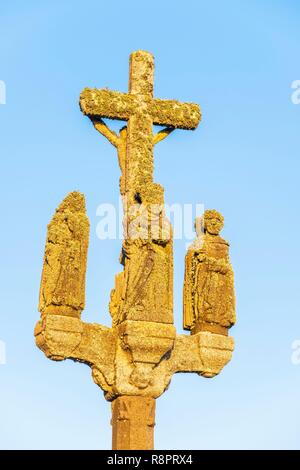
{"points": [[134, 361]]}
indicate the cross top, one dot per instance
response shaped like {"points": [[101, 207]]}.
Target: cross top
{"points": [[141, 111], [141, 73]]}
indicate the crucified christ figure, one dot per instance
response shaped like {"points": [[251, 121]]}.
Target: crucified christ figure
{"points": [[119, 141]]}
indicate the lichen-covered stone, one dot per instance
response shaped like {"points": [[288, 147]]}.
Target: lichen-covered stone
{"points": [[121, 106], [134, 360], [63, 279], [209, 299]]}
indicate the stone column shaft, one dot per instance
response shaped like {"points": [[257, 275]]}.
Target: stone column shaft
{"points": [[133, 421]]}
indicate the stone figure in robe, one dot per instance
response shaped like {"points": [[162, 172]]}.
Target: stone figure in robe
{"points": [[209, 299], [148, 263]]}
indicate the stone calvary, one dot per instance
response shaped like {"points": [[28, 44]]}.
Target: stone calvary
{"points": [[134, 360]]}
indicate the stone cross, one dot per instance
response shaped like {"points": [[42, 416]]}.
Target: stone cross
{"points": [[134, 360], [141, 110]]}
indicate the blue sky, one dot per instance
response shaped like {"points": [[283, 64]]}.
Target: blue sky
{"points": [[237, 59]]}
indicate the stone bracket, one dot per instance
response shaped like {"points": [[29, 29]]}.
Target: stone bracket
{"points": [[61, 337], [148, 342], [135, 358], [204, 353]]}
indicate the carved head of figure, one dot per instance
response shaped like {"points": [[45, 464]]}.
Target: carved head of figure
{"points": [[213, 222]]}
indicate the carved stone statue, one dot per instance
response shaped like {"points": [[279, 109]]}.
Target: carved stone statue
{"points": [[147, 259], [63, 280], [209, 300]]}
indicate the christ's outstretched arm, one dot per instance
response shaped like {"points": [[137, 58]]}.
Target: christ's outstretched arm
{"points": [[162, 134], [101, 127]]}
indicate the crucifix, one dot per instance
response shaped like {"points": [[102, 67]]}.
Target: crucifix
{"points": [[134, 360]]}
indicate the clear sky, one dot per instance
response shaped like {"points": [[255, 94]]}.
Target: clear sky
{"points": [[237, 59]]}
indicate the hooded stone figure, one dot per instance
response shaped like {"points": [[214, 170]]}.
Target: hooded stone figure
{"points": [[208, 297]]}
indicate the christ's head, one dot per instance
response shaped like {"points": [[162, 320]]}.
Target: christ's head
{"points": [[213, 222]]}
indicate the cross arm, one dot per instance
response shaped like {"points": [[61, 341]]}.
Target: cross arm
{"points": [[175, 114], [107, 104], [115, 105]]}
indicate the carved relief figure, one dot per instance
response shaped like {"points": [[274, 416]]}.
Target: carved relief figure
{"points": [[63, 280], [209, 300], [148, 262]]}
